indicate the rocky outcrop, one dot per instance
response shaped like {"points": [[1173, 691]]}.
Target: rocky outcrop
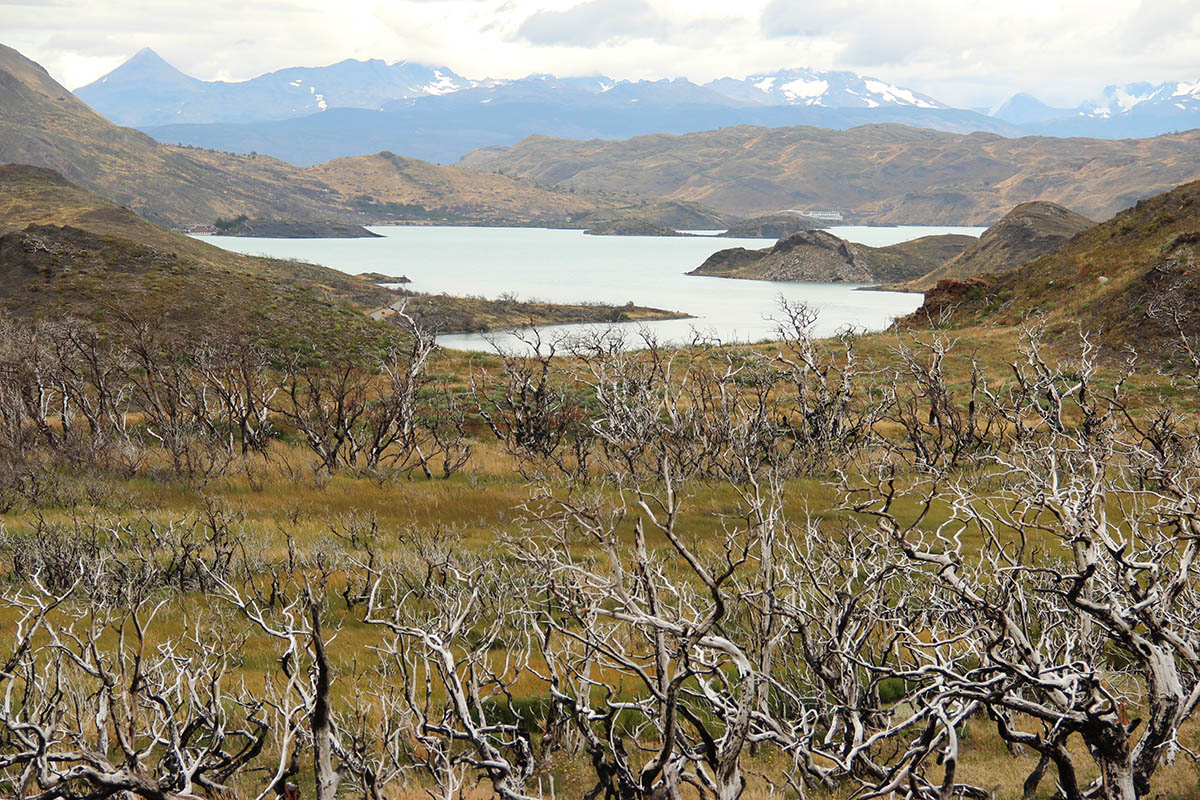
{"points": [[774, 226], [290, 229], [942, 299], [821, 257]]}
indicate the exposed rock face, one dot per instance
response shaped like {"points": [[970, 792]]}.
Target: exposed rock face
{"points": [[942, 299], [821, 257], [290, 229], [775, 226], [805, 256], [1028, 231]]}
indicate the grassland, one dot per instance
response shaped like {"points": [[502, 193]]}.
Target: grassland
{"points": [[282, 501]]}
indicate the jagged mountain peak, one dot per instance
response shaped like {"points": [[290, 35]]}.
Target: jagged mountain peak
{"points": [[1143, 97]]}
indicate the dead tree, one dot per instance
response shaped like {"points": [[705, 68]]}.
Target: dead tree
{"points": [[940, 426], [456, 651], [826, 407], [1087, 546], [533, 410], [238, 372], [128, 718], [292, 612]]}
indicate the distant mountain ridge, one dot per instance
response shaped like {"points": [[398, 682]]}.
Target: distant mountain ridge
{"points": [[310, 115], [833, 89], [307, 115], [1124, 111], [146, 90]]}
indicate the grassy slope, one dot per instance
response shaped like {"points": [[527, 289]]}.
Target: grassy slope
{"points": [[36, 196], [881, 173], [1123, 277], [62, 247], [1028, 231]]}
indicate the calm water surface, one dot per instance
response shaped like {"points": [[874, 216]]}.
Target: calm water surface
{"points": [[570, 267]]}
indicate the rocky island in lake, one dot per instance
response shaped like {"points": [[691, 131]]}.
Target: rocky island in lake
{"points": [[819, 256]]}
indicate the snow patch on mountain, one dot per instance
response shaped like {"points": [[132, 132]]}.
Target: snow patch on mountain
{"points": [[897, 95], [828, 89], [1187, 89], [804, 89], [441, 84]]}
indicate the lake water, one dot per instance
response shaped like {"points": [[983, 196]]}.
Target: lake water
{"points": [[569, 267]]}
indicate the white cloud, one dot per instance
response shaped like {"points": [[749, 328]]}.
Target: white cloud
{"points": [[594, 22], [966, 52]]}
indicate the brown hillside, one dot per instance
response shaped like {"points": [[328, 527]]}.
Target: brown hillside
{"points": [[42, 123], [96, 234], [1129, 278], [875, 173], [1028, 231]]}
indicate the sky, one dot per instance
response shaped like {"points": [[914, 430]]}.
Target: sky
{"points": [[969, 53]]}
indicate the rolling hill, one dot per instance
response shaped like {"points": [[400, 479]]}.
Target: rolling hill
{"points": [[883, 174], [1028, 231], [43, 124], [1129, 278], [64, 250], [822, 257]]}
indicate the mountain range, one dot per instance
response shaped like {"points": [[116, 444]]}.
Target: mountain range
{"points": [[146, 91], [873, 173], [1127, 111], [309, 115]]}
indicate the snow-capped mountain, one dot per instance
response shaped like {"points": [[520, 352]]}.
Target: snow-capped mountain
{"points": [[146, 91], [803, 87], [310, 114], [1128, 110], [1142, 98]]}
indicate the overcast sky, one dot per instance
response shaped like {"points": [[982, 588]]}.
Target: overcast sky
{"points": [[967, 53]]}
